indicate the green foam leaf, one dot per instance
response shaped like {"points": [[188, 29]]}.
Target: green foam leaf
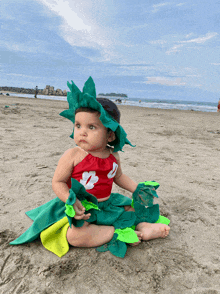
{"points": [[89, 205], [127, 235], [70, 211]]}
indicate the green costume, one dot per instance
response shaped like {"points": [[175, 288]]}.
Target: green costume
{"points": [[52, 219]]}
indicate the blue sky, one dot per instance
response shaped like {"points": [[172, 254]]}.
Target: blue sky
{"points": [[146, 49]]}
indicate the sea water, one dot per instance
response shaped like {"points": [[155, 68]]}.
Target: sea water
{"points": [[173, 104], [142, 102]]}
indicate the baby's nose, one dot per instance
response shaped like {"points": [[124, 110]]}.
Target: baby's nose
{"points": [[83, 132]]}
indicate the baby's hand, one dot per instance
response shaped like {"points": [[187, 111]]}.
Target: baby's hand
{"points": [[80, 211]]}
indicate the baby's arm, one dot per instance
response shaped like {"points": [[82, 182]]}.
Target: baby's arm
{"points": [[59, 183], [123, 180]]}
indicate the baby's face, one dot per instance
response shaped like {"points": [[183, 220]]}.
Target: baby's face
{"points": [[89, 132]]}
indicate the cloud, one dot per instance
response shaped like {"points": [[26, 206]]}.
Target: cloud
{"points": [[79, 26], [199, 40], [180, 4], [33, 46], [174, 49], [203, 39], [157, 7], [20, 75], [189, 35], [165, 81], [72, 18], [158, 42]]}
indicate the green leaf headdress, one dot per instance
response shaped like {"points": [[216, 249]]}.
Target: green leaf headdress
{"points": [[87, 98]]}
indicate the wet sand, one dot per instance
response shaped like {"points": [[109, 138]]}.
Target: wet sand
{"points": [[178, 149]]}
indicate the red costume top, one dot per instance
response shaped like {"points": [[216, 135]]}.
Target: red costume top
{"points": [[96, 175]]}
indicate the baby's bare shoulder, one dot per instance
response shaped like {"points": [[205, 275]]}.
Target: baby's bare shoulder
{"points": [[69, 157], [74, 156], [70, 152]]}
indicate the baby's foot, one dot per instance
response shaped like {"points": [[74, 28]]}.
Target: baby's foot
{"points": [[153, 231], [139, 234]]}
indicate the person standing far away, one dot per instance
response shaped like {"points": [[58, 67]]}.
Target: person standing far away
{"points": [[36, 92], [218, 110]]}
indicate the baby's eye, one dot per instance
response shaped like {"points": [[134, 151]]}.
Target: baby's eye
{"points": [[92, 127], [77, 126]]}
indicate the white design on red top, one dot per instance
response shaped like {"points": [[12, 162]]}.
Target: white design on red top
{"points": [[89, 179], [112, 173]]}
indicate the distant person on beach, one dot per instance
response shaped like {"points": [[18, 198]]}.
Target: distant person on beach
{"points": [[36, 92], [218, 110]]}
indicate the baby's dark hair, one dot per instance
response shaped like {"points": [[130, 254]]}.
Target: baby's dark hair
{"points": [[108, 105]]}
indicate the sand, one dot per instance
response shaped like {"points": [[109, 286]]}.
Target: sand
{"points": [[179, 149]]}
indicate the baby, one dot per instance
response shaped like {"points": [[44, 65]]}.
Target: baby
{"points": [[95, 163]]}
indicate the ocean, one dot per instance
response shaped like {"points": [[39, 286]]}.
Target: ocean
{"points": [[142, 102]]}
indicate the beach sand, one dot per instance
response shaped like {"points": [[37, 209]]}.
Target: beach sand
{"points": [[178, 149]]}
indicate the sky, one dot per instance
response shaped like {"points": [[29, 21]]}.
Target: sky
{"points": [[146, 48]]}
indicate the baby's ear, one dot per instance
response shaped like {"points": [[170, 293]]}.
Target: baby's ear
{"points": [[111, 136]]}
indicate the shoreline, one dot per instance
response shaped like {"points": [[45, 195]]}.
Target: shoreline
{"points": [[119, 105], [177, 148]]}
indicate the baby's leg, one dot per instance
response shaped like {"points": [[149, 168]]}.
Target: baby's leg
{"points": [[89, 235], [153, 231]]}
